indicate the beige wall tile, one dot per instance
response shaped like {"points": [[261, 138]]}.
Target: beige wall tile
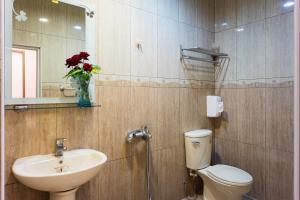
{"points": [[168, 118], [27, 133], [252, 159], [251, 119], [193, 109], [80, 129], [188, 39], [206, 14], [124, 1], [168, 48], [205, 39], [189, 110], [143, 31], [169, 175], [114, 121], [57, 18], [47, 131], [187, 36], [89, 191], [250, 10], [18, 191], [148, 5], [138, 176], [74, 47], [280, 46], [188, 12], [143, 111], [275, 7], [53, 56], [168, 8], [226, 152], [226, 127], [75, 17], [279, 118], [114, 42], [115, 180], [226, 40], [279, 183], [225, 14], [251, 51], [27, 38]]}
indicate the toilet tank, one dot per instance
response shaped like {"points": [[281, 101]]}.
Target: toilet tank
{"points": [[198, 148]]}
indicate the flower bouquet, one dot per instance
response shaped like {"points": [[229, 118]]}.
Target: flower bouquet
{"points": [[81, 72]]}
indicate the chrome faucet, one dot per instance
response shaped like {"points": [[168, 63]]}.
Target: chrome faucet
{"points": [[143, 133], [60, 147]]}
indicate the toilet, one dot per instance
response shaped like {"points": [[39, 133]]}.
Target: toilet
{"points": [[221, 182]]}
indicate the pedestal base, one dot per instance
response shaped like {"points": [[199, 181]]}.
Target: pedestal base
{"points": [[68, 195]]}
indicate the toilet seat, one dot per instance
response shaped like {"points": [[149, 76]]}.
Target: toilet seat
{"points": [[229, 175]]}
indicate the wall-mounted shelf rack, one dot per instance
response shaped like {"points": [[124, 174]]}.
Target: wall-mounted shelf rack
{"points": [[215, 56], [206, 51], [46, 106], [199, 59], [220, 60]]}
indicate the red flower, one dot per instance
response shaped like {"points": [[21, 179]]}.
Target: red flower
{"points": [[87, 67], [84, 55], [74, 60]]}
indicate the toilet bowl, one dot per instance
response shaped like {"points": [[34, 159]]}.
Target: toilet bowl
{"points": [[221, 182]]}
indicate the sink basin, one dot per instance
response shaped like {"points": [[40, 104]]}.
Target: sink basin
{"points": [[59, 175]]}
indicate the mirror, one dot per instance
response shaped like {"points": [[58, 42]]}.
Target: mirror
{"points": [[40, 36]]}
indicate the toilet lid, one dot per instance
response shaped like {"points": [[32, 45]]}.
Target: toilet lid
{"points": [[229, 175], [198, 133]]}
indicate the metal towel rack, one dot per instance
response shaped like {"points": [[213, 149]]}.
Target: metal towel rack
{"points": [[217, 59], [214, 55]]}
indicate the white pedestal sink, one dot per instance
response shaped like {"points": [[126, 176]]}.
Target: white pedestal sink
{"points": [[61, 176]]}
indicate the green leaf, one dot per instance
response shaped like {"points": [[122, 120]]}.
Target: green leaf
{"points": [[96, 69], [73, 72]]}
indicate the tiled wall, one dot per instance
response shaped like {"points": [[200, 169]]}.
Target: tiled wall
{"points": [[149, 87], [256, 130]]}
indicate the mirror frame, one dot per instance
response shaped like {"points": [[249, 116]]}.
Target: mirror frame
{"points": [[90, 40]]}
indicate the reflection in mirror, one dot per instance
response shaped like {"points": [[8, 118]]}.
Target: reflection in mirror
{"points": [[25, 83], [44, 34]]}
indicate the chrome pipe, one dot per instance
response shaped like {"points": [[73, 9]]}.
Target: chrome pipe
{"points": [[143, 134]]}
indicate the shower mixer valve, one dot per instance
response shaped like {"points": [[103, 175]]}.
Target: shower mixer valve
{"points": [[143, 133]]}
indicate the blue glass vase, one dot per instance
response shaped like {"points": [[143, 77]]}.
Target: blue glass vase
{"points": [[83, 96]]}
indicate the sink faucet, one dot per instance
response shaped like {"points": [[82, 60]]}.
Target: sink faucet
{"points": [[60, 147], [143, 133]]}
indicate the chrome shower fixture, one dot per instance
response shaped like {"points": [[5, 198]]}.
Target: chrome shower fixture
{"points": [[142, 133], [145, 135]]}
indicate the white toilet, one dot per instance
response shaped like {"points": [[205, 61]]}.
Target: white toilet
{"points": [[221, 182]]}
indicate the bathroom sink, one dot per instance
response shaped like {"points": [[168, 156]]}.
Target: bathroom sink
{"points": [[59, 174]]}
